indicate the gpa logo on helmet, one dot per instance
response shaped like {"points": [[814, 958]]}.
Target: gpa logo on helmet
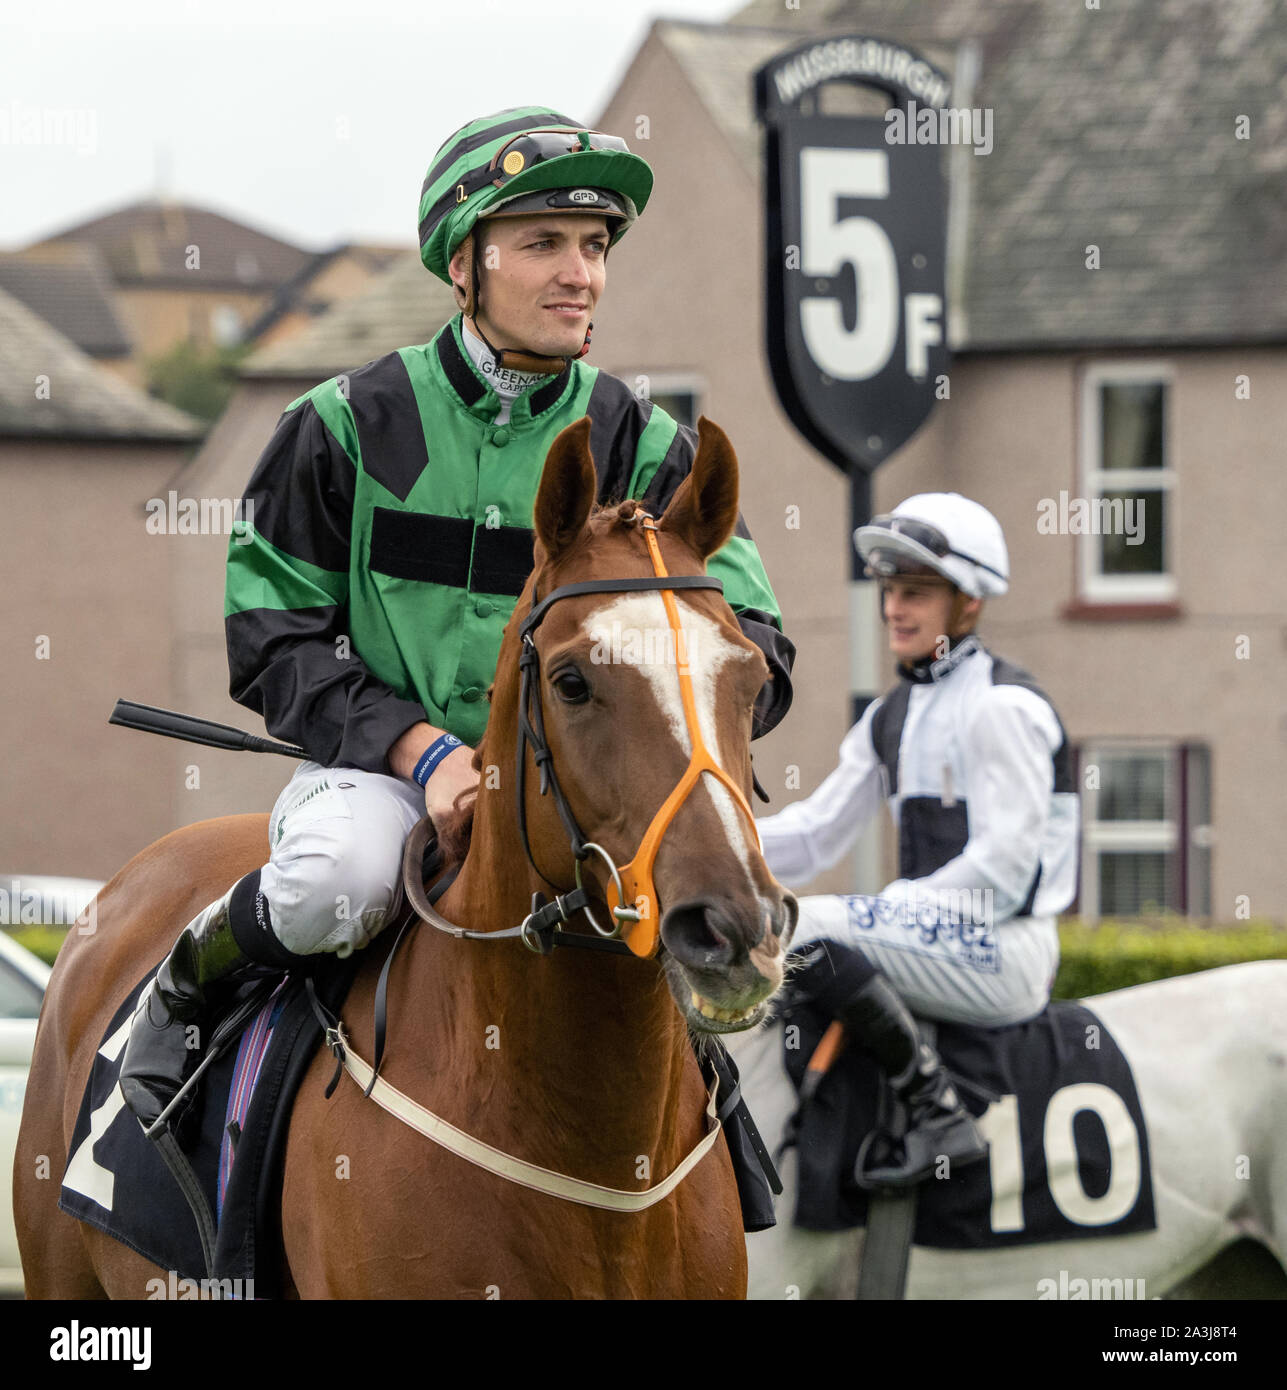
{"points": [[583, 195]]}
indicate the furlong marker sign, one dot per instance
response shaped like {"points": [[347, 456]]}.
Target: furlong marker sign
{"points": [[855, 248]]}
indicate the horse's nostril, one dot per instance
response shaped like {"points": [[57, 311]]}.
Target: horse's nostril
{"points": [[698, 935]]}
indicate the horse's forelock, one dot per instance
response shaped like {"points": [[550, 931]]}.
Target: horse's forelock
{"points": [[625, 513]]}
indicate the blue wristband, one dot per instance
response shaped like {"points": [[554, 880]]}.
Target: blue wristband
{"points": [[433, 755]]}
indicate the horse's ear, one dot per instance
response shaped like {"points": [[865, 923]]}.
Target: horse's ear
{"points": [[703, 510], [567, 490]]}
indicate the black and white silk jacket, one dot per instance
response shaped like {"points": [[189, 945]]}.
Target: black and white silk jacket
{"points": [[975, 765]]}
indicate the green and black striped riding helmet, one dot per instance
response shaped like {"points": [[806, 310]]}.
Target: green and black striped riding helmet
{"points": [[523, 150]]}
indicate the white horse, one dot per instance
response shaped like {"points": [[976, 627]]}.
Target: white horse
{"points": [[1209, 1054]]}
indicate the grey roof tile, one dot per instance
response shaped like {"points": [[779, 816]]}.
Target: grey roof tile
{"points": [[74, 296], [49, 389], [147, 243]]}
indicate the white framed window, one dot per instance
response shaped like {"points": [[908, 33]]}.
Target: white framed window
{"points": [[679, 394], [1126, 534], [1146, 832]]}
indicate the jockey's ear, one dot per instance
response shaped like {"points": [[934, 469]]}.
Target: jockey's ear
{"points": [[703, 511], [567, 491]]}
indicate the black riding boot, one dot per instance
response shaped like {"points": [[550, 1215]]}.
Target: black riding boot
{"points": [[178, 1012], [938, 1127], [845, 983]]}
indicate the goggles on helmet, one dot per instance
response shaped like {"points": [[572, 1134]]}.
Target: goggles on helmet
{"points": [[887, 563], [534, 147]]}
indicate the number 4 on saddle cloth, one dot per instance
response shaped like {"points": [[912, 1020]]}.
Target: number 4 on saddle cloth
{"points": [[1055, 1099]]}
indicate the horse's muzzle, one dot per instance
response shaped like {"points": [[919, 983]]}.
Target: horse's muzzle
{"points": [[722, 967]]}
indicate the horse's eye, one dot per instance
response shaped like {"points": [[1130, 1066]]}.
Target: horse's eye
{"points": [[571, 687]]}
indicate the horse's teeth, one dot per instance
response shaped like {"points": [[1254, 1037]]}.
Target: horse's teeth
{"points": [[709, 1010]]}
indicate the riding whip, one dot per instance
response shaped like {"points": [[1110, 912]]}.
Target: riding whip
{"points": [[151, 720]]}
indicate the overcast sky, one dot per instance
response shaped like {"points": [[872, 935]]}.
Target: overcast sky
{"points": [[314, 121]]}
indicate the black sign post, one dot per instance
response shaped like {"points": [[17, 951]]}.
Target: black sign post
{"points": [[855, 253]]}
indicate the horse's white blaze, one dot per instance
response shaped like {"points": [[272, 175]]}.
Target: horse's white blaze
{"points": [[634, 630]]}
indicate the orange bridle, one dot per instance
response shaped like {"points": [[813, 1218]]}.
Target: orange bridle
{"points": [[632, 897]]}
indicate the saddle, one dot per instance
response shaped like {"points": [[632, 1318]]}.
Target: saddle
{"points": [[1055, 1097]]}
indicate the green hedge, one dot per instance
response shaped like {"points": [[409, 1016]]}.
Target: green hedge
{"points": [[1115, 954], [40, 941], [1094, 960]]}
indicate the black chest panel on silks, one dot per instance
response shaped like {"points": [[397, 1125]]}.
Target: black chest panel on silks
{"points": [[920, 735], [1068, 1149]]}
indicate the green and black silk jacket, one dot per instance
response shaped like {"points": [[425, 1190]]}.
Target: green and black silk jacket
{"points": [[391, 533]]}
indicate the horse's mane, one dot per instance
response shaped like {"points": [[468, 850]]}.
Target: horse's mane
{"points": [[456, 831]]}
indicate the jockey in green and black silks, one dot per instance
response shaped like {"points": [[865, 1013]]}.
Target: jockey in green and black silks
{"points": [[392, 535]]}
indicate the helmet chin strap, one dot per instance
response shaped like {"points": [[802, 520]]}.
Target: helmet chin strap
{"points": [[519, 361], [514, 359]]}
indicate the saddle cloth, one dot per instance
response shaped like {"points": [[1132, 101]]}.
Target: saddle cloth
{"points": [[117, 1181], [1068, 1149]]}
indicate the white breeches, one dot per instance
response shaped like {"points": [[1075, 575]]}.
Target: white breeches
{"points": [[960, 972], [336, 836]]}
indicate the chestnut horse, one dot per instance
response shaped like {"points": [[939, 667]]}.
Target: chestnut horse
{"points": [[578, 1061]]}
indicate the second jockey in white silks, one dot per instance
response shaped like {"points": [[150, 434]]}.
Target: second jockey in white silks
{"points": [[973, 761]]}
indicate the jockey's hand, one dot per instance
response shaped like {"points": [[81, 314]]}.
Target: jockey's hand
{"points": [[455, 774]]}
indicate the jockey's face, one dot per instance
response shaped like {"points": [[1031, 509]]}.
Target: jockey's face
{"points": [[540, 278], [918, 615]]}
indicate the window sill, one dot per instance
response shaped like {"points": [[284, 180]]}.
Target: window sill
{"points": [[1104, 611]]}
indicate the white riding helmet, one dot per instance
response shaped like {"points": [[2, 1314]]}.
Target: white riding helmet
{"points": [[955, 537]]}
